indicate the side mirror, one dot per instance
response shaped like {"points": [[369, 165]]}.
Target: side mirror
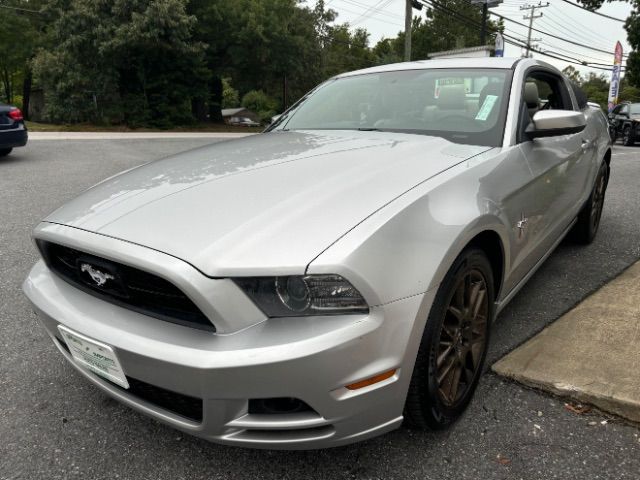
{"points": [[552, 123]]}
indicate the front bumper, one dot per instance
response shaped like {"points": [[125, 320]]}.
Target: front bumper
{"points": [[310, 359], [15, 137]]}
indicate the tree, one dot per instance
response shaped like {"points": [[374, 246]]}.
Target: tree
{"points": [[572, 74], [345, 50], [134, 62], [438, 31], [596, 88], [388, 50], [629, 93], [261, 44], [230, 96], [18, 48], [261, 103]]}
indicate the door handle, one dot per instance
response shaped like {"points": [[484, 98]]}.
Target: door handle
{"points": [[586, 144]]}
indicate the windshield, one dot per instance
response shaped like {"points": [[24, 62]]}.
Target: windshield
{"points": [[462, 105]]}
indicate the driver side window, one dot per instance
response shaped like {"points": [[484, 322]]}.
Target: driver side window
{"points": [[542, 91]]}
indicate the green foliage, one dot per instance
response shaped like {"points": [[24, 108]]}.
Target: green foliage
{"points": [[230, 96], [572, 74], [629, 93], [440, 32], [132, 61], [261, 103], [388, 50], [165, 62], [596, 87], [21, 36]]}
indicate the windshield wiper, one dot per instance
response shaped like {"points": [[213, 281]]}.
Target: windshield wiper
{"points": [[369, 129]]}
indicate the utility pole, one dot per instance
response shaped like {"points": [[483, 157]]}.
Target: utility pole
{"points": [[486, 5], [408, 19], [483, 29], [531, 16]]}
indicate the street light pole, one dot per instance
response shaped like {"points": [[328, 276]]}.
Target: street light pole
{"points": [[408, 18]]}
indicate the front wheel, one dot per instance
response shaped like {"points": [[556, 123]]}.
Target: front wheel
{"points": [[628, 136], [5, 151], [454, 344]]}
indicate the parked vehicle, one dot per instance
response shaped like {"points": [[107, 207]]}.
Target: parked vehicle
{"points": [[323, 282], [13, 131], [624, 121], [243, 122]]}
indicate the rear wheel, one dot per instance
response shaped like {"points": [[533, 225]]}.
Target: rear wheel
{"points": [[628, 136], [586, 227], [5, 151], [454, 344]]}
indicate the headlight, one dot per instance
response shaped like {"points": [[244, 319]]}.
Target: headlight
{"points": [[294, 296]]}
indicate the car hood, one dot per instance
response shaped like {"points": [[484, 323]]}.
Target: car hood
{"points": [[262, 205]]}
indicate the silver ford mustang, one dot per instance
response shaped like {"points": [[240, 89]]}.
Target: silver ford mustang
{"points": [[320, 283]]}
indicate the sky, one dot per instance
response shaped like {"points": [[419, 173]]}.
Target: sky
{"points": [[559, 18]]}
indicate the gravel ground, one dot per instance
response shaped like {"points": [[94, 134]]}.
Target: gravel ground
{"points": [[56, 425]]}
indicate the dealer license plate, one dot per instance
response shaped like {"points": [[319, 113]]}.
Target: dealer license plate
{"points": [[94, 356]]}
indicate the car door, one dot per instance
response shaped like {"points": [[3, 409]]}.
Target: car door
{"points": [[613, 114], [559, 164]]}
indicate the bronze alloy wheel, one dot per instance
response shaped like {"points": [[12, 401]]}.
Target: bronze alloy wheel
{"points": [[454, 343], [597, 201], [462, 337]]}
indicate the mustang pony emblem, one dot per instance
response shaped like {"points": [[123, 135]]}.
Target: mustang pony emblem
{"points": [[100, 278]]}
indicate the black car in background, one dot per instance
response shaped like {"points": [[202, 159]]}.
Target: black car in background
{"points": [[13, 131], [624, 123]]}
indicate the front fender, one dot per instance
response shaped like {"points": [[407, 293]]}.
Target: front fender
{"points": [[406, 248]]}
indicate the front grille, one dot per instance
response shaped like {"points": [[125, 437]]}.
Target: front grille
{"points": [[183, 405], [123, 285]]}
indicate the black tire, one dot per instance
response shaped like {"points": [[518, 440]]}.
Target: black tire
{"points": [[628, 136], [5, 151], [586, 228], [427, 405]]}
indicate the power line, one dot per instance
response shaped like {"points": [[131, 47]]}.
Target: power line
{"points": [[579, 30], [594, 12], [378, 7], [387, 21], [382, 12], [517, 42], [608, 52], [552, 35], [579, 33]]}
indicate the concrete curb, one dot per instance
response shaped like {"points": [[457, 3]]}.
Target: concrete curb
{"points": [[591, 353]]}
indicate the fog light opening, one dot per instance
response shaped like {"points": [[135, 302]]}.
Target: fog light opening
{"points": [[275, 406], [372, 380]]}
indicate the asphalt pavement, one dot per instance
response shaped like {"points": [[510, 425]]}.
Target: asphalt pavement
{"points": [[54, 425]]}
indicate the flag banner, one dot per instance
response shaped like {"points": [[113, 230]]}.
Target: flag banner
{"points": [[614, 89], [499, 45]]}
